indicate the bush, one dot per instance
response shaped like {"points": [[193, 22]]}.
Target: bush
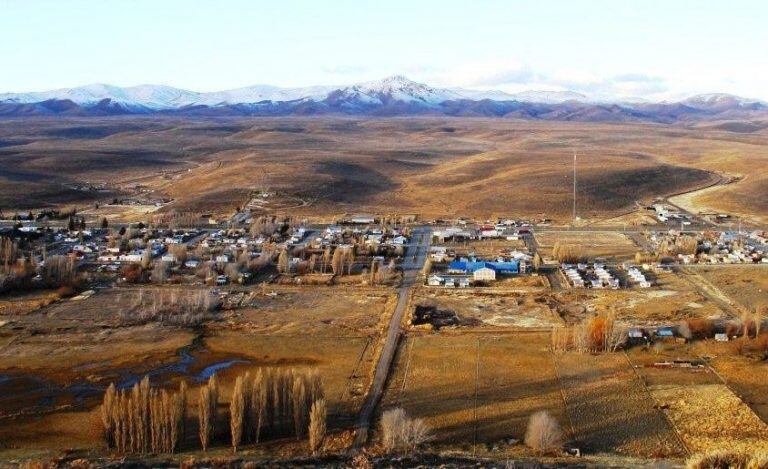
{"points": [[65, 291], [398, 431], [544, 434], [701, 328], [723, 459]]}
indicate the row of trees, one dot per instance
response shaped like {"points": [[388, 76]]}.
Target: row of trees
{"points": [[568, 253], [600, 333], [684, 244], [171, 306], [273, 402], [144, 420]]}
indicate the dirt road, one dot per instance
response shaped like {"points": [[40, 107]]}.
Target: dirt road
{"points": [[414, 260]]}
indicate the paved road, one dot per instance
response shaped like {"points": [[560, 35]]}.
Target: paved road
{"points": [[412, 264]]}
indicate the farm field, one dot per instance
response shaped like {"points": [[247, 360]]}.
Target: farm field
{"points": [[475, 390], [610, 245], [710, 416], [610, 409], [485, 247]]}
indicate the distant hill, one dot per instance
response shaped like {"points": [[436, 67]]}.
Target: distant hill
{"points": [[392, 96]]}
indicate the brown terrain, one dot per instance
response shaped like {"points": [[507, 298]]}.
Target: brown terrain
{"points": [[428, 165]]}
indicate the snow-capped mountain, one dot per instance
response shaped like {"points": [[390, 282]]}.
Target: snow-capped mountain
{"points": [[259, 93], [392, 89], [394, 95], [153, 97], [721, 101], [395, 89]]}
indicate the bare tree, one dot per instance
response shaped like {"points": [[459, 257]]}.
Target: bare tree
{"points": [[398, 431], [317, 425], [544, 433], [206, 419], [337, 262], [160, 272], [237, 413], [283, 263]]}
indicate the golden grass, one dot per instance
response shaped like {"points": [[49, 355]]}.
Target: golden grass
{"points": [[610, 409], [593, 245], [475, 388], [747, 285], [710, 417]]}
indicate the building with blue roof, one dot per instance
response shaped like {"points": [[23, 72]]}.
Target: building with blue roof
{"points": [[470, 266]]}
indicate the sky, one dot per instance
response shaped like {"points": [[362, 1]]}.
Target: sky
{"points": [[648, 49]]}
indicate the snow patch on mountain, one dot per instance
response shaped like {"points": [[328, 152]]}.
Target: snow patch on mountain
{"points": [[396, 89]]}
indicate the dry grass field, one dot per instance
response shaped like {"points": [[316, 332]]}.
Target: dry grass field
{"points": [[611, 410], [607, 245], [330, 165], [747, 379], [314, 310], [710, 416], [747, 285], [476, 390], [485, 247]]}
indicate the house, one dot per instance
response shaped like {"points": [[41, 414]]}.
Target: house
{"points": [[720, 337], [484, 274], [363, 219], [400, 240], [438, 254], [435, 280], [222, 258], [465, 265]]}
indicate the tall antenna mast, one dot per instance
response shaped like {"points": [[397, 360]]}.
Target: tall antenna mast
{"points": [[574, 187]]}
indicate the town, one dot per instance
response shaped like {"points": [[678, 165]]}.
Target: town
{"points": [[663, 297]]}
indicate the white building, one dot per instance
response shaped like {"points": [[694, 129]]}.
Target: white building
{"points": [[484, 274]]}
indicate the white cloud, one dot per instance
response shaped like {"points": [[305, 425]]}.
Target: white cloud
{"points": [[512, 76]]}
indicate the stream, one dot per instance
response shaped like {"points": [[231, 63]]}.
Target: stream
{"points": [[29, 393]]}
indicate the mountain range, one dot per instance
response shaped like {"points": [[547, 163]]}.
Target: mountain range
{"points": [[392, 96]]}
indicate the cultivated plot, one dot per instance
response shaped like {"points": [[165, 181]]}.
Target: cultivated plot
{"points": [[609, 245], [476, 389]]}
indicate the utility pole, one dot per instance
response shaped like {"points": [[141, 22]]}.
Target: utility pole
{"points": [[574, 187]]}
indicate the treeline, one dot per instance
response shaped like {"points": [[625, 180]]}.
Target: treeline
{"points": [[174, 306], [270, 403], [601, 333], [144, 420], [18, 270], [568, 253]]}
